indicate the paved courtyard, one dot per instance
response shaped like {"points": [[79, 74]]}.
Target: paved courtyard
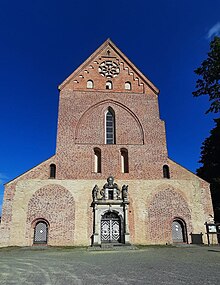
{"points": [[149, 265]]}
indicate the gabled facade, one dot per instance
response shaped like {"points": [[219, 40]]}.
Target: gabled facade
{"points": [[108, 129]]}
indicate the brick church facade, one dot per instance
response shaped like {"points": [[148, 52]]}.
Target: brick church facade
{"points": [[111, 179]]}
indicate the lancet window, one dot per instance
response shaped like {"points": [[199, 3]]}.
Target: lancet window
{"points": [[97, 160], [124, 161], [110, 126]]}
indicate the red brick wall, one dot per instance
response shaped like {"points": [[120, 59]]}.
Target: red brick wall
{"points": [[165, 206], [81, 123], [81, 127], [56, 205]]}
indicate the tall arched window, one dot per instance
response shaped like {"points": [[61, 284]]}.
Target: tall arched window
{"points": [[127, 85], [52, 171], [97, 160], [90, 84], [166, 172], [110, 126], [108, 85], [124, 161]]}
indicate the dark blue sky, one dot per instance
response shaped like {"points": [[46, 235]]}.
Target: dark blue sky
{"points": [[42, 42]]}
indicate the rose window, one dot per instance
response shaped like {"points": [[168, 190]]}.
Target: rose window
{"points": [[109, 69]]}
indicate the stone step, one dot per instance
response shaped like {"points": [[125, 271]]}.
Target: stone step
{"points": [[110, 246]]}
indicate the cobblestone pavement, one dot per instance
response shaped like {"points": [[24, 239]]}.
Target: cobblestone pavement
{"points": [[149, 265]]}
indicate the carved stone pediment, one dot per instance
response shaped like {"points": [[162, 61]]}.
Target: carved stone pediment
{"points": [[110, 191]]}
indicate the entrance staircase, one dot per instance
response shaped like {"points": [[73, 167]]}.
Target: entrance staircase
{"points": [[112, 246]]}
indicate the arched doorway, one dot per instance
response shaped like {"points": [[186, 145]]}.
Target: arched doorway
{"points": [[111, 228], [41, 233], [179, 231]]}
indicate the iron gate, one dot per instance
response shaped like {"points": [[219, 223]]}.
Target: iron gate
{"points": [[40, 233], [110, 228], [177, 232]]}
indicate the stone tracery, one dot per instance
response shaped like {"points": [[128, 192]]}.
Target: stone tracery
{"points": [[109, 69]]}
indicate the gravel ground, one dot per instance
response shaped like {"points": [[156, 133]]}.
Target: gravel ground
{"points": [[148, 265]]}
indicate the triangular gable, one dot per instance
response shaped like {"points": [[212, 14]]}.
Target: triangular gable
{"points": [[107, 51]]}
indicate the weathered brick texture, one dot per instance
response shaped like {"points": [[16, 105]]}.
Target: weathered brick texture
{"points": [[56, 205], [166, 205]]}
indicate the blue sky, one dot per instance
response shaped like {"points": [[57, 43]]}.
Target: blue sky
{"points": [[42, 42]]}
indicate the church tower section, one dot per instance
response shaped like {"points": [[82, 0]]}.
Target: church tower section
{"points": [[107, 104]]}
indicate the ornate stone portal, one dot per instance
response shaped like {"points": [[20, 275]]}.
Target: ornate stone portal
{"points": [[110, 208]]}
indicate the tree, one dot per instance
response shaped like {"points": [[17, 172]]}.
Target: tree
{"points": [[210, 170], [210, 73], [209, 85]]}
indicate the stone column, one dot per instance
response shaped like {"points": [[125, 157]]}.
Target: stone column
{"points": [[126, 234], [96, 230]]}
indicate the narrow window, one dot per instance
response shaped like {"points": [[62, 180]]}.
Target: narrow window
{"points": [[110, 127], [52, 171], [127, 85], [108, 85], [124, 161], [110, 194], [90, 84], [166, 172], [97, 160]]}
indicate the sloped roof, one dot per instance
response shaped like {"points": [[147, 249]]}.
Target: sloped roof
{"points": [[111, 46]]}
